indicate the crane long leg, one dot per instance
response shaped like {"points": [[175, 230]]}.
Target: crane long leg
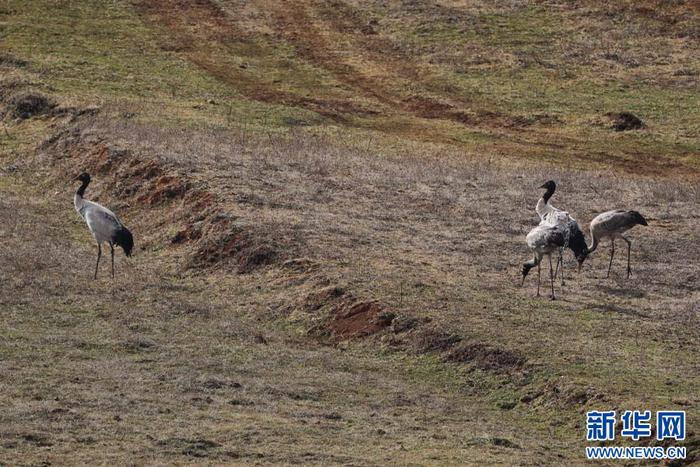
{"points": [[111, 247], [99, 254], [551, 275], [538, 279], [560, 261], [612, 253], [629, 248]]}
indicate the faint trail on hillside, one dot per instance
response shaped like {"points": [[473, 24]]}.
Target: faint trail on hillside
{"points": [[350, 64]]}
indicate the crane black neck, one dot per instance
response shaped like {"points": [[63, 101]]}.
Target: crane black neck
{"points": [[548, 194], [83, 186], [577, 243]]}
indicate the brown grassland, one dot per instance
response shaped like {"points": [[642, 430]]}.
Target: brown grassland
{"points": [[329, 201]]}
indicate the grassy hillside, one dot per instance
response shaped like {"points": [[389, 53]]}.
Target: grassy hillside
{"points": [[329, 201], [522, 79]]}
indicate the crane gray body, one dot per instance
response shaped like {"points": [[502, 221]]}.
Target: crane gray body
{"points": [[613, 224], [543, 240], [103, 224]]}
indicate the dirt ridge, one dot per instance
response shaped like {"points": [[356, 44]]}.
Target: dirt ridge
{"points": [[211, 237]]}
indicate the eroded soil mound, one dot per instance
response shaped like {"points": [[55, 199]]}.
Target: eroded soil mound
{"points": [[25, 105], [358, 320], [434, 340], [222, 241], [562, 393], [213, 238], [624, 121]]}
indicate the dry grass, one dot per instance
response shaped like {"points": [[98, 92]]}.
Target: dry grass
{"points": [[438, 242], [159, 368], [520, 78], [254, 154]]}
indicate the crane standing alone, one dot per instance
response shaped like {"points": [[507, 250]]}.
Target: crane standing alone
{"points": [[104, 225], [612, 224]]}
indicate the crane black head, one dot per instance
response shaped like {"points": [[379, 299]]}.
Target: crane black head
{"points": [[85, 179], [550, 186], [577, 244]]}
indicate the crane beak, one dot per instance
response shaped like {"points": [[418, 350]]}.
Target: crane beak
{"points": [[544, 185]]}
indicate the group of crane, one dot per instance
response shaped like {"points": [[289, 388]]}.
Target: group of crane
{"points": [[558, 230]]}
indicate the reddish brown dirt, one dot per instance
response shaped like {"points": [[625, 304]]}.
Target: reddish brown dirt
{"points": [[357, 320], [300, 26], [133, 177], [214, 238], [211, 25], [335, 109]]}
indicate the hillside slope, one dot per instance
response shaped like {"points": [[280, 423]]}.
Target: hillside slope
{"points": [[329, 202]]}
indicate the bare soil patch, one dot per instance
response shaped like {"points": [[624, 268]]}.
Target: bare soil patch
{"points": [[624, 121], [358, 320], [24, 104]]}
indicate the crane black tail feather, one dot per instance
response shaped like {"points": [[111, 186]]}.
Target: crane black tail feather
{"points": [[124, 239]]}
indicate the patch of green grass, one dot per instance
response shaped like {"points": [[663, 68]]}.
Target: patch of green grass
{"points": [[518, 62], [90, 52], [427, 367]]}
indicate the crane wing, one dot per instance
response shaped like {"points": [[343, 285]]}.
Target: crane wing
{"points": [[544, 236], [618, 220], [102, 223]]}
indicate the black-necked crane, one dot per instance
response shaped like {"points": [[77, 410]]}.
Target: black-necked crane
{"points": [[544, 240], [104, 225], [549, 215], [612, 224]]}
